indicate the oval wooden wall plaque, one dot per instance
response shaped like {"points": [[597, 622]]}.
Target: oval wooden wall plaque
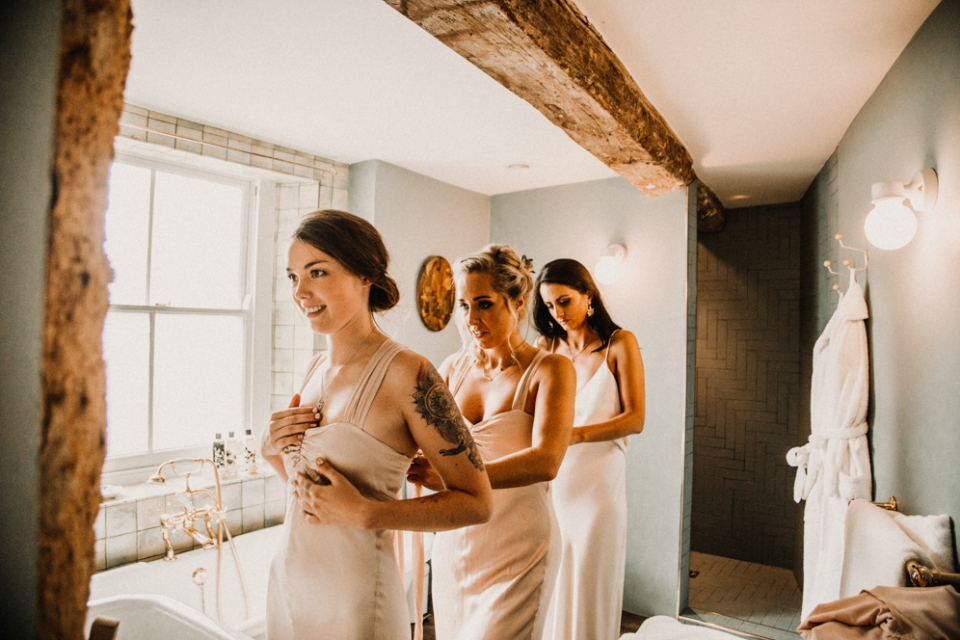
{"points": [[435, 293]]}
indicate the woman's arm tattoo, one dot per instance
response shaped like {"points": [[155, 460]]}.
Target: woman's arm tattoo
{"points": [[436, 405]]}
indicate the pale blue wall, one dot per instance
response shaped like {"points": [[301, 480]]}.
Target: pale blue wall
{"points": [[418, 217], [912, 121], [578, 221]]}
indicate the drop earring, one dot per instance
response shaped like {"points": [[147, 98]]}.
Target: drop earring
{"points": [[590, 309]]}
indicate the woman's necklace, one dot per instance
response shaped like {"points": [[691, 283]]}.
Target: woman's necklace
{"points": [[323, 382], [485, 373], [573, 358]]}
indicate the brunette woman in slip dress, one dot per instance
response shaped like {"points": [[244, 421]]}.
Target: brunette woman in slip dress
{"points": [[493, 581], [589, 492], [367, 406]]}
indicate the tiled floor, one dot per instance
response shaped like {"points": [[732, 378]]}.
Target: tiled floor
{"points": [[760, 600]]}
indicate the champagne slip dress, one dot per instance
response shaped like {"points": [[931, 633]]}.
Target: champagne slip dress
{"points": [[589, 495], [493, 581], [341, 582]]}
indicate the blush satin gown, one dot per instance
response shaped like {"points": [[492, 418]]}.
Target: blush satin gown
{"points": [[493, 581], [341, 582]]}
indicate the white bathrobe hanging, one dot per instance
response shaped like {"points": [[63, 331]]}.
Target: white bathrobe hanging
{"points": [[834, 466]]}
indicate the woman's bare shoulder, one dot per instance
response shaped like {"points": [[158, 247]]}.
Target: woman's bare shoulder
{"points": [[554, 365], [623, 340]]}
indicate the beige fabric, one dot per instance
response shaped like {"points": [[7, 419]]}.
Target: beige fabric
{"points": [[590, 498], [878, 543], [887, 613], [493, 581], [341, 582]]}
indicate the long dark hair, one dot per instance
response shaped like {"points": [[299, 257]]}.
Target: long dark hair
{"points": [[571, 273], [357, 245]]}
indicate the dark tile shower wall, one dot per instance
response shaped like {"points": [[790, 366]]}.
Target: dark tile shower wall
{"points": [[748, 386]]}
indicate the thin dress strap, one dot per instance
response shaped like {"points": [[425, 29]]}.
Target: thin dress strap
{"points": [[459, 373], [363, 394], [606, 351], [523, 387]]}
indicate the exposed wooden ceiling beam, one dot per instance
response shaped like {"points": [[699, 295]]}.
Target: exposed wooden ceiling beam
{"points": [[548, 53]]}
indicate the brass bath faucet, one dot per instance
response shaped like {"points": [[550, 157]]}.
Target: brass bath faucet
{"points": [[211, 514]]}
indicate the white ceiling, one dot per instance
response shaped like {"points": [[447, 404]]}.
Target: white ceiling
{"points": [[760, 92]]}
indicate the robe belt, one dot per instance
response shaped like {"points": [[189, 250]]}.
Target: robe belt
{"points": [[817, 458]]}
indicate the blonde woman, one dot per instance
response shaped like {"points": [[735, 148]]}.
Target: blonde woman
{"points": [[589, 493], [493, 581], [366, 408]]}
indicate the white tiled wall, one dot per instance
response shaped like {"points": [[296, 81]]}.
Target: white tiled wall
{"points": [[128, 529], [294, 344]]}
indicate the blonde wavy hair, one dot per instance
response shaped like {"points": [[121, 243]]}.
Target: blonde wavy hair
{"points": [[511, 276]]}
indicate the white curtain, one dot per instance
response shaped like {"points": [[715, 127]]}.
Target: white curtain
{"points": [[834, 466]]}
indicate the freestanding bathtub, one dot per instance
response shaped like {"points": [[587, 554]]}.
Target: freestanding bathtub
{"points": [[176, 580]]}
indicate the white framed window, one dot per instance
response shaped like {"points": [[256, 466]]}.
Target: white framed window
{"points": [[177, 340]]}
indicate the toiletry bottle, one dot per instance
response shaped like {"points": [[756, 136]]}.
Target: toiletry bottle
{"points": [[219, 454], [249, 452], [230, 444]]}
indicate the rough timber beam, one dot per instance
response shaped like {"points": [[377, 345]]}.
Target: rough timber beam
{"points": [[547, 53]]}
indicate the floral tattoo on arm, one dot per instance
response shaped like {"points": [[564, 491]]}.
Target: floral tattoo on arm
{"points": [[436, 405]]}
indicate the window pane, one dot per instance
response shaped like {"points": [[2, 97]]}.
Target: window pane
{"points": [[126, 237], [198, 379], [126, 351], [196, 252]]}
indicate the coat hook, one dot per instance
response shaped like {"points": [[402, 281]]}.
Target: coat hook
{"points": [[847, 263]]}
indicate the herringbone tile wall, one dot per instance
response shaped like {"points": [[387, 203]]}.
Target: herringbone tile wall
{"points": [[748, 384]]}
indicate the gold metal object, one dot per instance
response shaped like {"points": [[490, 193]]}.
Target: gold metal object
{"points": [[921, 576], [889, 505], [212, 515], [435, 293]]}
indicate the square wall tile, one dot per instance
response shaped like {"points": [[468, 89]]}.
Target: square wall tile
{"points": [[283, 359], [309, 196], [100, 524], [283, 383], [149, 511], [231, 495], [289, 196], [341, 198], [252, 493], [100, 555], [150, 543], [121, 550], [253, 518], [274, 489], [273, 512], [121, 518], [283, 337], [235, 521]]}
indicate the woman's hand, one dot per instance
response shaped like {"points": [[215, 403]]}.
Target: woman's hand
{"points": [[287, 426], [333, 500], [422, 472]]}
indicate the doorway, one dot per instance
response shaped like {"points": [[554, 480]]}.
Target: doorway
{"points": [[745, 539]]}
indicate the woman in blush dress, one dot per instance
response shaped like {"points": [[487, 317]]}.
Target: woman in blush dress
{"points": [[589, 492], [493, 581], [366, 407]]}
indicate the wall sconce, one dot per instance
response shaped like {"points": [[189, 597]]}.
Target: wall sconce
{"points": [[610, 264], [891, 224]]}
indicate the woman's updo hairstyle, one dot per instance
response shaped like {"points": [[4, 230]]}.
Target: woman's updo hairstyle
{"points": [[511, 275], [357, 245]]}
